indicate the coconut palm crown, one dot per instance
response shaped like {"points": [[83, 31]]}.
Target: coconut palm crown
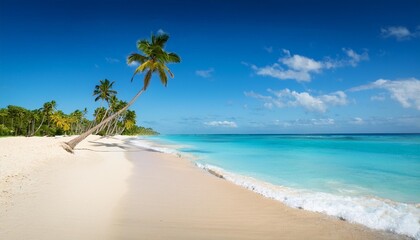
{"points": [[154, 59], [104, 90]]}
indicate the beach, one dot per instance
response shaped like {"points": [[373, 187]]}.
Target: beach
{"points": [[112, 189]]}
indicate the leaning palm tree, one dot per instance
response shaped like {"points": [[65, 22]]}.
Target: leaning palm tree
{"points": [[153, 60]]}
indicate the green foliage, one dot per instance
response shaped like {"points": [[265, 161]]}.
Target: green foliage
{"points": [[4, 131], [48, 121], [155, 59], [104, 90], [136, 130]]}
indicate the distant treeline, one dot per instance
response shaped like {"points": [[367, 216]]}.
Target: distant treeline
{"points": [[49, 121]]}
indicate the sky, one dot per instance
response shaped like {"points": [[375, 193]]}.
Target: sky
{"points": [[247, 66]]}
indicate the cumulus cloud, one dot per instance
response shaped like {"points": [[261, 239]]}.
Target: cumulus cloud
{"points": [[276, 71], [112, 60], [227, 124], [301, 68], [204, 73], [404, 91], [288, 98], [355, 58], [301, 63], [399, 32]]}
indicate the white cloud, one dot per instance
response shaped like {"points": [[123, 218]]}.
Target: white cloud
{"points": [[405, 91], [301, 68], [227, 124], [399, 32], [133, 64], [335, 98], [301, 63], [204, 73], [288, 98], [278, 72], [355, 58], [160, 31], [357, 121], [112, 60]]}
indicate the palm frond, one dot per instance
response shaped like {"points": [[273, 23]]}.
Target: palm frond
{"points": [[162, 75], [135, 72], [141, 68], [144, 46], [161, 39], [135, 57], [147, 79], [170, 73], [173, 58], [147, 64]]}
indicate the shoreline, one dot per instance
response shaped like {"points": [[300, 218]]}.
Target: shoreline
{"points": [[111, 189], [213, 204]]}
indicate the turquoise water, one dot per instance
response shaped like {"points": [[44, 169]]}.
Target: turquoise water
{"points": [[377, 176]]}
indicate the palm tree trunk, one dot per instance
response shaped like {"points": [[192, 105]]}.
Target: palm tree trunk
{"points": [[43, 118], [114, 129], [121, 131], [100, 129], [69, 146], [110, 125]]}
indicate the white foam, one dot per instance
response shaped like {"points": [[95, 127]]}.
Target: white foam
{"points": [[375, 213], [152, 146]]}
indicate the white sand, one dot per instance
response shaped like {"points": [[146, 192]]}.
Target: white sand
{"points": [[47, 193], [111, 190]]}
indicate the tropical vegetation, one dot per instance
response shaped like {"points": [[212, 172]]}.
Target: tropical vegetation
{"points": [[50, 121]]}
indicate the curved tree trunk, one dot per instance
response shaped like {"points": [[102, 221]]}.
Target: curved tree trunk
{"points": [[40, 125], [106, 113], [114, 131], [69, 146]]}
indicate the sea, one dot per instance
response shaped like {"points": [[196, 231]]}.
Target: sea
{"points": [[370, 179]]}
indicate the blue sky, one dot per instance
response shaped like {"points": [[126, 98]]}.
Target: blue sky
{"points": [[247, 66]]}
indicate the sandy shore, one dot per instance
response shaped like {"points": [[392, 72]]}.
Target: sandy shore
{"points": [[46, 193], [110, 189]]}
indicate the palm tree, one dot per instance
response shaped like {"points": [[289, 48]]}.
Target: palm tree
{"points": [[46, 111], [62, 121], [104, 92], [154, 60], [129, 121]]}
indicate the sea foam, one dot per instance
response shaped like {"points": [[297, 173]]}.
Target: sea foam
{"points": [[152, 146], [375, 213]]}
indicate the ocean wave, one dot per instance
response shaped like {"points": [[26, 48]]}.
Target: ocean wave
{"points": [[375, 213]]}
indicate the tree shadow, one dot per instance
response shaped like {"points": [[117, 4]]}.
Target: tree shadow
{"points": [[126, 146]]}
